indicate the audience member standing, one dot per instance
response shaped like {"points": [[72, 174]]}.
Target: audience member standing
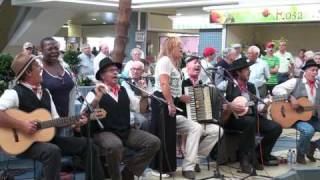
{"points": [[27, 48], [136, 56], [238, 48], [56, 78], [286, 63], [259, 71], [86, 62], [273, 62], [299, 62], [209, 55], [94, 51], [104, 52], [229, 56]]}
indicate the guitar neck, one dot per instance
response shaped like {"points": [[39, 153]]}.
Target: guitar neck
{"points": [[311, 108], [59, 122]]}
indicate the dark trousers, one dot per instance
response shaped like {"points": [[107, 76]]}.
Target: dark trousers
{"points": [[144, 144], [49, 154], [270, 88], [269, 130], [282, 77], [263, 91]]}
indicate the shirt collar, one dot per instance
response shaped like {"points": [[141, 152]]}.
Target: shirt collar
{"points": [[304, 81], [28, 85]]}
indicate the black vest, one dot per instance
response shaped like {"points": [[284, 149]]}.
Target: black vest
{"points": [[118, 114], [28, 100]]}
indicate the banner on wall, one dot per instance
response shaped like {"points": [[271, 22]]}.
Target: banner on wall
{"points": [[301, 13]]}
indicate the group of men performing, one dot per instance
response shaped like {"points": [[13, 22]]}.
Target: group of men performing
{"points": [[117, 134]]}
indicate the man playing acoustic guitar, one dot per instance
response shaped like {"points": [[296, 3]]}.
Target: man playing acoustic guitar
{"points": [[249, 120], [28, 95], [307, 86]]}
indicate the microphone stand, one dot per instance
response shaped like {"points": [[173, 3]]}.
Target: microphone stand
{"points": [[216, 172], [162, 102], [89, 109]]}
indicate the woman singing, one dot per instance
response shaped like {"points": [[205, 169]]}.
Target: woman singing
{"points": [[168, 83]]}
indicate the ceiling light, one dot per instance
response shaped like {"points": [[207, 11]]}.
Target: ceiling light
{"points": [[65, 26], [265, 4], [104, 23], [179, 14], [93, 19], [186, 3]]}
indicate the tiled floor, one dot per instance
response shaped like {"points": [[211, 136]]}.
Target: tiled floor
{"points": [[285, 142]]}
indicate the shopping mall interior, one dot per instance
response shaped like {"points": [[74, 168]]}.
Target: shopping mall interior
{"points": [[199, 24]]}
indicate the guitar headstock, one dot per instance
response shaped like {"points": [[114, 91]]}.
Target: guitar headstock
{"points": [[98, 113]]}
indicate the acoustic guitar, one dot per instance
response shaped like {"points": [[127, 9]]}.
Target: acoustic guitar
{"points": [[283, 113], [15, 142], [240, 100]]}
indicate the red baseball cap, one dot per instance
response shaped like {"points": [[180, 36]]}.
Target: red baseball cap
{"points": [[209, 51], [270, 45]]}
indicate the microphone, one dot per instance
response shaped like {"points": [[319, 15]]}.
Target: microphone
{"points": [[215, 68], [120, 76]]}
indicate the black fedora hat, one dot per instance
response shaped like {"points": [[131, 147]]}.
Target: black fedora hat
{"points": [[240, 64], [106, 62], [310, 63]]}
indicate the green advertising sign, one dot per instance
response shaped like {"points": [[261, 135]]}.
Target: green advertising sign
{"points": [[279, 14]]}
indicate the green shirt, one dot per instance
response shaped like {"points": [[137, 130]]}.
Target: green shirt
{"points": [[272, 62]]}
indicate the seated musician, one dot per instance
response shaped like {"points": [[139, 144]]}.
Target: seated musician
{"points": [[307, 86], [194, 130], [141, 118], [117, 133], [28, 95], [269, 130]]}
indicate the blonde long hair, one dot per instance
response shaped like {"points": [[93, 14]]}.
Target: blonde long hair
{"points": [[167, 48]]}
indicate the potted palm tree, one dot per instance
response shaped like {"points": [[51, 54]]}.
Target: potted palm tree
{"points": [[6, 74], [71, 58]]}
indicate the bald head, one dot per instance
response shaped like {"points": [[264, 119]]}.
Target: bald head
{"points": [[104, 48]]}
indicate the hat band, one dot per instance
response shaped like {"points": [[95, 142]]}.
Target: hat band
{"points": [[24, 68]]}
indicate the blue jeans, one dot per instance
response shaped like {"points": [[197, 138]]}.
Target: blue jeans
{"points": [[307, 130]]}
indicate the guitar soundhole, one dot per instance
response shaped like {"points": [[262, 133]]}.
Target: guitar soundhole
{"points": [[300, 109], [283, 112], [15, 135]]}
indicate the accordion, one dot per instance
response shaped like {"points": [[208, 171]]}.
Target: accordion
{"points": [[204, 106]]}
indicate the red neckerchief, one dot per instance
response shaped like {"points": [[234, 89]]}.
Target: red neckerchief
{"points": [[312, 86], [115, 90], [242, 86]]}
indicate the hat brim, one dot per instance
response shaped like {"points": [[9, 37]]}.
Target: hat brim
{"points": [[119, 66], [310, 65], [248, 64]]}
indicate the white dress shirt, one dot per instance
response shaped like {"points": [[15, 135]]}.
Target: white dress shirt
{"points": [[10, 99], [259, 73], [287, 87], [134, 104]]}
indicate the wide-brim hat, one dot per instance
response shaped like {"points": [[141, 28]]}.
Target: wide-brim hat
{"points": [[20, 64], [310, 63], [104, 63], [240, 64]]}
